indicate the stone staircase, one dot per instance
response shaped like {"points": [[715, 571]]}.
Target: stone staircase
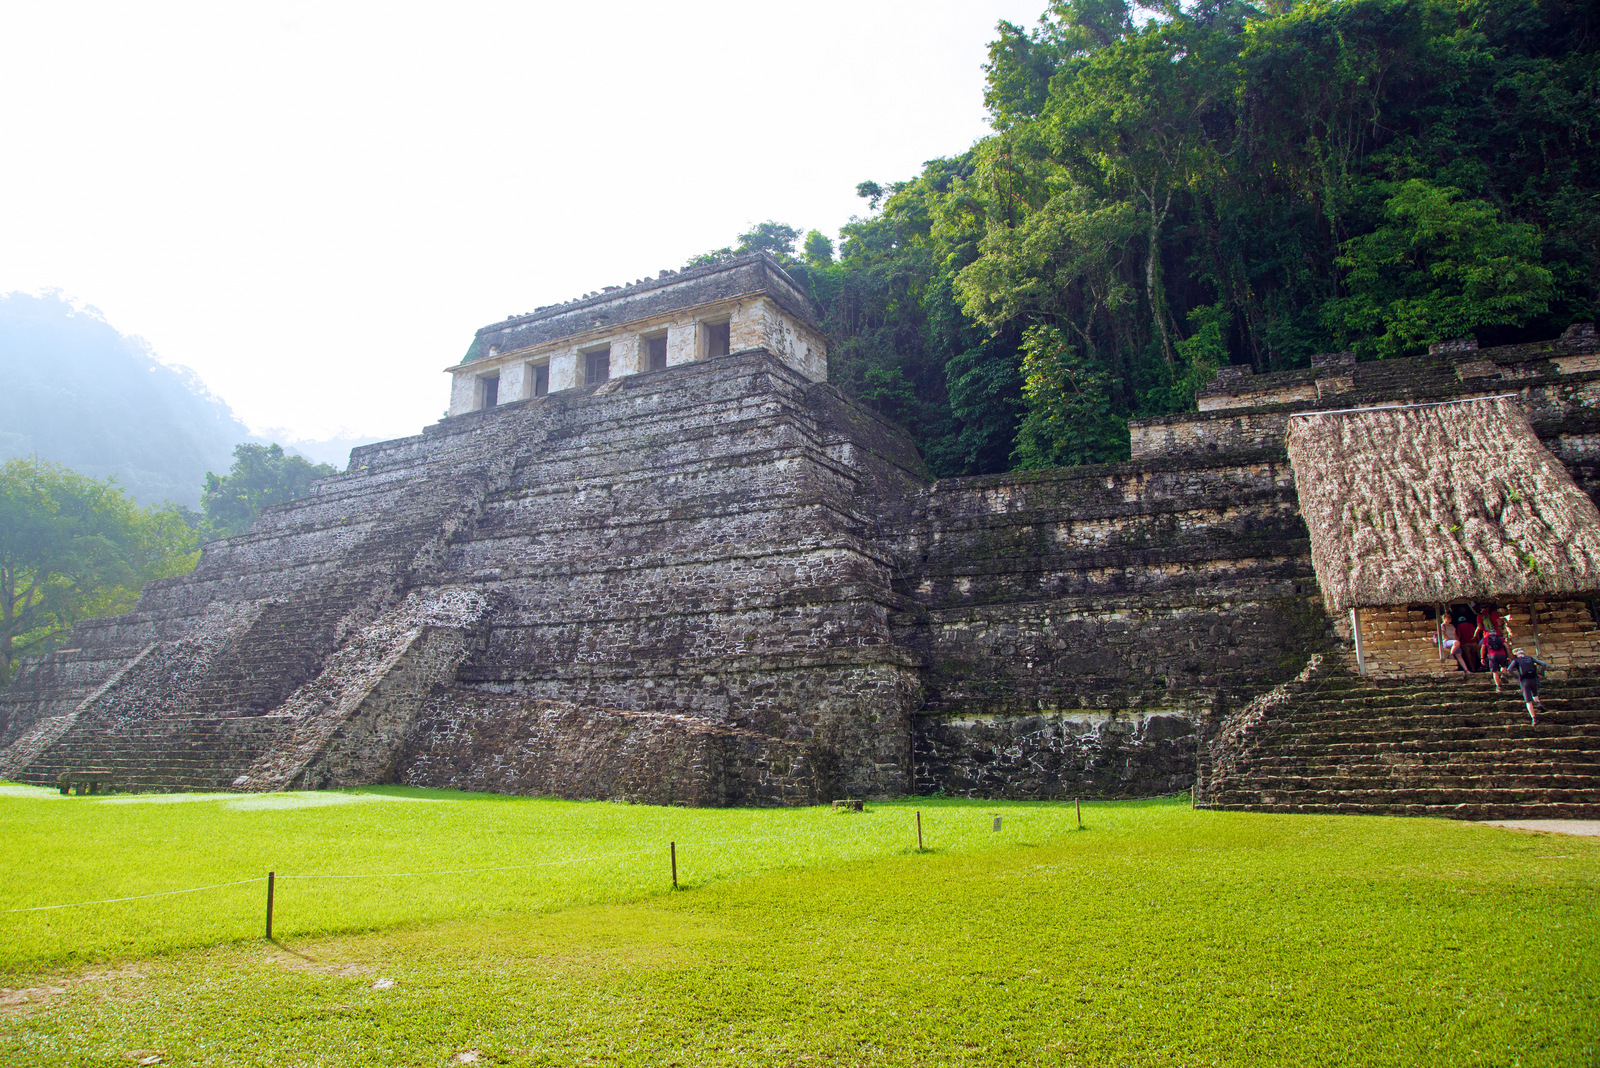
{"points": [[183, 751], [1333, 741], [283, 647], [196, 711]]}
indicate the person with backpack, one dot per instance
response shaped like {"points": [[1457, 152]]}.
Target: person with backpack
{"points": [[1528, 671], [1495, 655], [1489, 618]]}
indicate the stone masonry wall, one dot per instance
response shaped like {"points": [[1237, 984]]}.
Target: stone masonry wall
{"points": [[1080, 627], [1057, 755], [473, 741], [695, 542]]}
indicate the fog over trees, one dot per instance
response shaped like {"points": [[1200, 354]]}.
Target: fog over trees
{"points": [[78, 392]]}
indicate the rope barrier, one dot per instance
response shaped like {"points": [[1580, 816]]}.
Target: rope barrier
{"points": [[471, 871], [425, 874], [139, 897], [762, 838]]}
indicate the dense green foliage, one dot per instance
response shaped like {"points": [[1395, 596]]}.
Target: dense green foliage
{"points": [[1159, 935], [74, 547], [261, 475], [1228, 183]]}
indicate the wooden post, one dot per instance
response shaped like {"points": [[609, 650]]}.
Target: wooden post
{"points": [[1355, 631], [271, 878], [674, 848], [1533, 623], [1077, 805], [1438, 629], [919, 832]]}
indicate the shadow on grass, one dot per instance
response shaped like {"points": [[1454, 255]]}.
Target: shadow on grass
{"points": [[931, 802], [1001, 805]]}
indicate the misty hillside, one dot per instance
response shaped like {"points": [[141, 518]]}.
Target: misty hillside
{"points": [[78, 392], [81, 394]]}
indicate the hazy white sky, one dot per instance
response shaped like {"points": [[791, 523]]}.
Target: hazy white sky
{"points": [[314, 205]]}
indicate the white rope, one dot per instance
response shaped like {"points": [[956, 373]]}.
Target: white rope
{"points": [[424, 874], [471, 871], [775, 837], [138, 897]]}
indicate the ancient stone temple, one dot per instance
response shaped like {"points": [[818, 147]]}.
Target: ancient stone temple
{"points": [[651, 554]]}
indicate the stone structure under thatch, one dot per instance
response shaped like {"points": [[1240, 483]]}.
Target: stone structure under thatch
{"points": [[1439, 502]]}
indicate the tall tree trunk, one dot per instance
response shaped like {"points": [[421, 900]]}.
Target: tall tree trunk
{"points": [[1152, 277]]}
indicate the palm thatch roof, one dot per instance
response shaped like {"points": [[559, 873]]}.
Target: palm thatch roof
{"points": [[1438, 503]]}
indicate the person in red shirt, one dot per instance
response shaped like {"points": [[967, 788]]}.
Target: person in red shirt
{"points": [[1490, 619], [1496, 655]]}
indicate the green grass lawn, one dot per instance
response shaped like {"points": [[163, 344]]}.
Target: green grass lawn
{"points": [[1157, 936]]}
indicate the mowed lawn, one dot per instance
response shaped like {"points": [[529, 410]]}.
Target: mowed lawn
{"points": [[1156, 936]]}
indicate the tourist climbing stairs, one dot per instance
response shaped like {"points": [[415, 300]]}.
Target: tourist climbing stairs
{"points": [[1334, 741], [1404, 642]]}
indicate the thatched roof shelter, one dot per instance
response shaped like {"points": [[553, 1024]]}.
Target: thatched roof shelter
{"points": [[1437, 503]]}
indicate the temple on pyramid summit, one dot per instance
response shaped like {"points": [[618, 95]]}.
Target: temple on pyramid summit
{"points": [[651, 554]]}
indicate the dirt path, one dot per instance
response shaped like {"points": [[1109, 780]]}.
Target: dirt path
{"points": [[1584, 827]]}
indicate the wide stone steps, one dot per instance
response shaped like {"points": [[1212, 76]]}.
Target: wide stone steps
{"points": [[209, 728], [1417, 761], [1305, 792], [175, 752], [1466, 810], [1448, 746], [1468, 735], [1396, 781]]}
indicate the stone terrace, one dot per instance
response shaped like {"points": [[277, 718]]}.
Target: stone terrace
{"points": [[1079, 625], [1422, 746]]}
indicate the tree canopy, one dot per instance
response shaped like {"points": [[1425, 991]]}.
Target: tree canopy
{"points": [[74, 547], [774, 237], [1224, 183], [261, 475]]}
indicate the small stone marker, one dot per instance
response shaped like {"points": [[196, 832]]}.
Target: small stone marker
{"points": [[849, 804], [86, 781], [997, 825]]}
